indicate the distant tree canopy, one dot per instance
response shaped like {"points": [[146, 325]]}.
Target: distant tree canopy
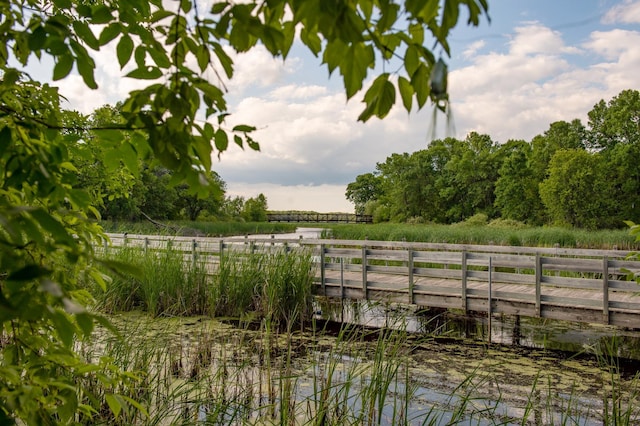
{"points": [[570, 175]]}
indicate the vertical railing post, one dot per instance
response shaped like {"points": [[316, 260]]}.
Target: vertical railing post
{"points": [[146, 245], [463, 267], [342, 278], [364, 271], [489, 301], [538, 285], [322, 272], [410, 267], [605, 290], [194, 252], [221, 252], [125, 239]]}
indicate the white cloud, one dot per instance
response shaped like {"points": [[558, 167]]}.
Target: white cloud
{"points": [[257, 68], [517, 94], [320, 198], [473, 48], [535, 38], [627, 13]]}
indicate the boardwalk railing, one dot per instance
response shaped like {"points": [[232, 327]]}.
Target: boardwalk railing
{"points": [[580, 285], [320, 217]]}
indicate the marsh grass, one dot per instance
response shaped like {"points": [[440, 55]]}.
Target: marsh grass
{"points": [[273, 283], [489, 235], [201, 228]]}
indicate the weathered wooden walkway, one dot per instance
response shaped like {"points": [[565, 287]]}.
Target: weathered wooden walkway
{"points": [[591, 286], [320, 217]]}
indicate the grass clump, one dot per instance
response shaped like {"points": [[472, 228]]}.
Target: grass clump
{"points": [[275, 284]]}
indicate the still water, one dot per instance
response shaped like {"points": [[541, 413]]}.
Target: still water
{"points": [[434, 367]]}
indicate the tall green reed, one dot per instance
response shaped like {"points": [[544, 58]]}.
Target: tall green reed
{"points": [[271, 282]]}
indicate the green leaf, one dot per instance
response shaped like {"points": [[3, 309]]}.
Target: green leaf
{"points": [[85, 34], [380, 97], [64, 327], [411, 60], [28, 273], [243, 128], [224, 59], [109, 33], [114, 404], [37, 39], [238, 140], [202, 55], [311, 40], [85, 323], [85, 68], [124, 50], [354, 65], [101, 14], [219, 7], [147, 73], [53, 226], [420, 83], [63, 67], [221, 140], [406, 92], [130, 158], [160, 57]]}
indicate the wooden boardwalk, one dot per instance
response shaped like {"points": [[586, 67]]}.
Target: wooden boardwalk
{"points": [[591, 286], [320, 217]]}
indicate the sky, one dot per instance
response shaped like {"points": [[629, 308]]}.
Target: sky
{"points": [[534, 63]]}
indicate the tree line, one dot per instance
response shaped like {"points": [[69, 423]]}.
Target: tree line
{"points": [[126, 187], [571, 175]]}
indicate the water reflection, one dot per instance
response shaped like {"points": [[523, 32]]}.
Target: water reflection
{"points": [[534, 333]]}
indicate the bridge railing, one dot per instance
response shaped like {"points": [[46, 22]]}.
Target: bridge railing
{"points": [[570, 284]]}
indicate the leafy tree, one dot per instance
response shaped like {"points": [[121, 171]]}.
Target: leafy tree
{"points": [[255, 209], [560, 135], [232, 208], [48, 223], [516, 190], [192, 204], [365, 188], [474, 170], [576, 193], [615, 122]]}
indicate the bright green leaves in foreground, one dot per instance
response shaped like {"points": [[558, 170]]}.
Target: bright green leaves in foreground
{"points": [[56, 167]]}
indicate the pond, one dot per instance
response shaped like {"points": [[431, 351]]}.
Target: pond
{"points": [[198, 370]]}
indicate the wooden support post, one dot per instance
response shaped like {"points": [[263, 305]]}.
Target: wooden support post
{"points": [[489, 301], [146, 245], [364, 272], [322, 272], [605, 290], [465, 302], [221, 252], [410, 267], [538, 285], [194, 251], [342, 278]]}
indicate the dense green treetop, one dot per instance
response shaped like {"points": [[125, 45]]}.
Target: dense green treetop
{"points": [[569, 175]]}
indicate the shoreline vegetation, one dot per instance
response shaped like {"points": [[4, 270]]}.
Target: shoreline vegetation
{"points": [[239, 345], [470, 232]]}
